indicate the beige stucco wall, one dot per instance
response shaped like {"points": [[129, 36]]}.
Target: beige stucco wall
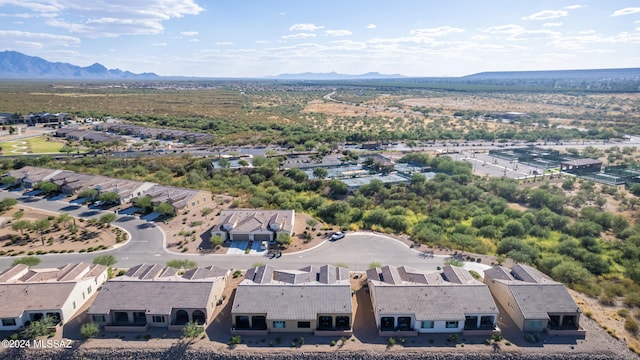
{"points": [[504, 297]]}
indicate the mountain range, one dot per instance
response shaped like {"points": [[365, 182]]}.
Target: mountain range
{"points": [[15, 65]]}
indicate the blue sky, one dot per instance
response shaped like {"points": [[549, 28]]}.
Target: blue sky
{"points": [[240, 38]]}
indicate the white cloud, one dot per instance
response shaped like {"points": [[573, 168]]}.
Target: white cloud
{"points": [[15, 35], [504, 29], [546, 15], [159, 44], [552, 24], [626, 11], [194, 40], [298, 36], [224, 43], [189, 33], [305, 27], [574, 7], [371, 26], [262, 41], [337, 33], [31, 44], [106, 18], [436, 32], [36, 6]]}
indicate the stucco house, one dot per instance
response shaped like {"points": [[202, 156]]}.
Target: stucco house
{"points": [[151, 295], [314, 299], [28, 295], [407, 302], [533, 300], [256, 225]]}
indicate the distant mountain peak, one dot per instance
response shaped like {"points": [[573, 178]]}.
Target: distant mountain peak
{"points": [[15, 65]]}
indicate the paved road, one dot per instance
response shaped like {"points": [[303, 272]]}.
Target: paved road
{"points": [[147, 245]]}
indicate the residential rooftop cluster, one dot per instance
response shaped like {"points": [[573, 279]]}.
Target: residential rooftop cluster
{"points": [[314, 299], [72, 183]]}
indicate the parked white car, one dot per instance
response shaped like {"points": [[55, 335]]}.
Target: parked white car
{"points": [[337, 236]]}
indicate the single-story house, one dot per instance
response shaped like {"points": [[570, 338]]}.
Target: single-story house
{"points": [[29, 295], [156, 296], [533, 300], [179, 198], [256, 225], [407, 302], [30, 176], [314, 299]]}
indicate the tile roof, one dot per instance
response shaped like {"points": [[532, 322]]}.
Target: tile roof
{"points": [[66, 273], [535, 293], [153, 297], [250, 220], [155, 272], [446, 295], [294, 294], [19, 297]]}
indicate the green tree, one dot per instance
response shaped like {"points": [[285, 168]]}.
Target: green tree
{"points": [[192, 330], [40, 226], [106, 260], [38, 328], [89, 194], [107, 218], [338, 188], [320, 173], [283, 239], [109, 198], [6, 204], [572, 273], [89, 330], [21, 225], [47, 187], [164, 208], [144, 203], [9, 180], [216, 240], [18, 214], [27, 260]]}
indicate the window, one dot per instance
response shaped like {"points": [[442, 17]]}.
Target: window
{"points": [[278, 325], [8, 322], [452, 324], [387, 323], [428, 324], [99, 318], [158, 318], [325, 322], [342, 322], [259, 322], [74, 304], [83, 295], [89, 290], [242, 322], [304, 324], [404, 323]]}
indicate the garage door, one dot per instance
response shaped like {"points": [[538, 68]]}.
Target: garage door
{"points": [[240, 237], [262, 237]]}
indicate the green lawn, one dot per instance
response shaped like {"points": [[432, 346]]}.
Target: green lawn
{"points": [[36, 145]]}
